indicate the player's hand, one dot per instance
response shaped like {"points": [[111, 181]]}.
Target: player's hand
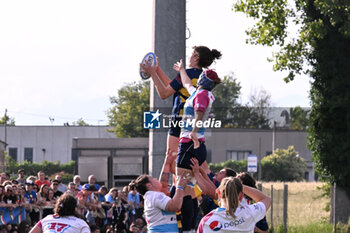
{"points": [[183, 181], [178, 66], [147, 68], [195, 165], [195, 140]]}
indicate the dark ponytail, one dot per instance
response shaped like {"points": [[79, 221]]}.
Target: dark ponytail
{"points": [[206, 56], [216, 54]]}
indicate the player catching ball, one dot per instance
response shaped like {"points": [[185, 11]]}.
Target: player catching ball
{"points": [[202, 57], [197, 108]]}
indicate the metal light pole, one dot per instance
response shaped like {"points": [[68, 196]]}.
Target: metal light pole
{"points": [[273, 136], [169, 44], [5, 129]]}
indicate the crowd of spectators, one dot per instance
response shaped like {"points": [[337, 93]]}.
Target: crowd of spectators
{"points": [[26, 200]]}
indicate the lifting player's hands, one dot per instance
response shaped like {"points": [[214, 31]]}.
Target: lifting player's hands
{"points": [[183, 181], [195, 165], [194, 138], [178, 66], [196, 169]]}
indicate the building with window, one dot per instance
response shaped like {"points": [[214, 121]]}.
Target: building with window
{"points": [[51, 143], [237, 144], [56, 143]]}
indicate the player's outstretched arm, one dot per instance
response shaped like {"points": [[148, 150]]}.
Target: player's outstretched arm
{"points": [[176, 202], [203, 181], [257, 195], [166, 170], [186, 81], [163, 77], [164, 91]]}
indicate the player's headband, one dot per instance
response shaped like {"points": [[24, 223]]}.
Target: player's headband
{"points": [[205, 81]]}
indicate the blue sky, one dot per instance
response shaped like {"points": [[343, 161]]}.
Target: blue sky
{"points": [[64, 59]]}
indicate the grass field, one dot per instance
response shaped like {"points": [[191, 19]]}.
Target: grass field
{"points": [[305, 204]]}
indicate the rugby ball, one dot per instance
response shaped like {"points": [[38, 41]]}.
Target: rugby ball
{"points": [[151, 59]]}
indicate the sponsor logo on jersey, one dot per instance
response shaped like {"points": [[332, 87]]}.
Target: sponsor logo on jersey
{"points": [[215, 225]]}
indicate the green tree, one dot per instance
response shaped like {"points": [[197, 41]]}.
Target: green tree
{"points": [[238, 166], [80, 122], [283, 165], [49, 168], [299, 118], [126, 114], [8, 120], [226, 96], [319, 45]]}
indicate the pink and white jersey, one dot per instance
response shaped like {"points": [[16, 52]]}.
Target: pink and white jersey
{"points": [[200, 100], [67, 224], [246, 218]]}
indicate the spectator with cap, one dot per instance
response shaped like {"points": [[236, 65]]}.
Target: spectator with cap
{"points": [[30, 194], [54, 186], [61, 187], [84, 197], [21, 178], [87, 199], [41, 179], [9, 198], [31, 198]]}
